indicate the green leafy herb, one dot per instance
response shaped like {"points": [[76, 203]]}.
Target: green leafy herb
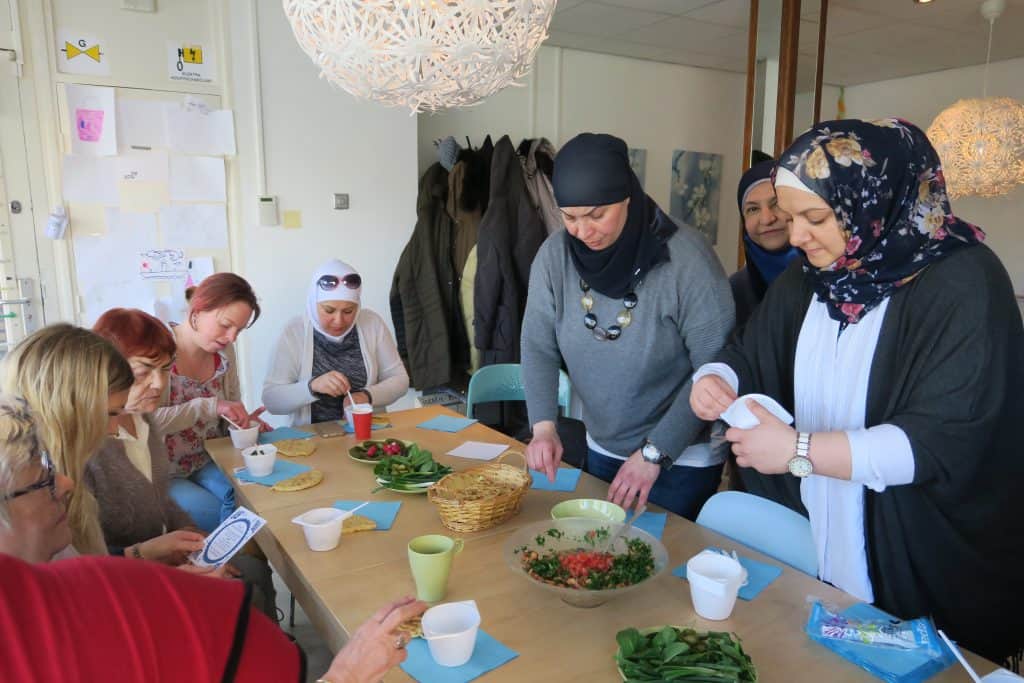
{"points": [[404, 472], [671, 654]]}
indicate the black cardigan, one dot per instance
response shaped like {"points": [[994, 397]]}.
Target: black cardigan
{"points": [[949, 371]]}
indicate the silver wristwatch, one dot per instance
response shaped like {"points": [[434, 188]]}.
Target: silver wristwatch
{"points": [[800, 464], [652, 454]]}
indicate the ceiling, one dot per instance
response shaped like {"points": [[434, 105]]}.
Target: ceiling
{"points": [[867, 40]]}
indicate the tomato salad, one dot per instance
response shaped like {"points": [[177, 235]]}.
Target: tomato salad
{"points": [[588, 568]]}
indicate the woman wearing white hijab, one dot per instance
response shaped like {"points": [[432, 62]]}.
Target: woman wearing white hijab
{"points": [[335, 348]]}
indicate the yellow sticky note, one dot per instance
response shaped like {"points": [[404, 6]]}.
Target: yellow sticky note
{"points": [[144, 196], [292, 219]]}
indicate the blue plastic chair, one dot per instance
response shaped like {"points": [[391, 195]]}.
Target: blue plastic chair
{"points": [[764, 525], [504, 382]]}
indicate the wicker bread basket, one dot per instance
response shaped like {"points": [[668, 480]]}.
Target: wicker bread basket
{"points": [[481, 497]]}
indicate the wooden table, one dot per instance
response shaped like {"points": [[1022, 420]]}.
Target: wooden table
{"points": [[339, 589]]}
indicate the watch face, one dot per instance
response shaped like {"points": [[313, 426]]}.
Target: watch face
{"points": [[800, 466], [650, 453]]}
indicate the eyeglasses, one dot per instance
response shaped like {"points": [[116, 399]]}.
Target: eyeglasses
{"points": [[329, 283], [48, 481]]}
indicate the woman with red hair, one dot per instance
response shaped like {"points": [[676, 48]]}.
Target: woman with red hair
{"points": [[204, 368]]}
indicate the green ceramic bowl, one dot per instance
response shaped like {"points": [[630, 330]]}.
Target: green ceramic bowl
{"points": [[590, 508]]}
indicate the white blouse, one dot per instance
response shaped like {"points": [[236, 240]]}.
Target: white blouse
{"points": [[830, 382]]}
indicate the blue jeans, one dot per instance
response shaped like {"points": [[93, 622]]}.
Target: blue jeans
{"points": [[681, 489], [207, 496]]}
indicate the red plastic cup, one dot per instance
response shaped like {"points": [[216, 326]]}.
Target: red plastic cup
{"points": [[362, 417]]}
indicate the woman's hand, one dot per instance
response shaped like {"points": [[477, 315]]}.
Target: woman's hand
{"points": [[225, 571], [171, 548], [710, 396], [331, 383], [633, 481], [376, 647], [254, 416], [768, 447], [234, 411], [544, 451]]}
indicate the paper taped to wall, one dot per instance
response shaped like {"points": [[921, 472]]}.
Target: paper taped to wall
{"points": [[197, 226], [197, 179], [92, 119]]}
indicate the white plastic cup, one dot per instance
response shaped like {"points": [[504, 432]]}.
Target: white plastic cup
{"points": [[450, 630], [348, 418], [715, 581], [244, 438], [322, 527], [259, 460]]}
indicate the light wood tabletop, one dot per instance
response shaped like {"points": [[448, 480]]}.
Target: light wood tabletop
{"points": [[341, 588]]}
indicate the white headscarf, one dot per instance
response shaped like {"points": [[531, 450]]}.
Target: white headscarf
{"points": [[338, 269]]}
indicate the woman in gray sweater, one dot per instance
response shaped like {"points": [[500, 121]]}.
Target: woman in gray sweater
{"points": [[632, 302]]}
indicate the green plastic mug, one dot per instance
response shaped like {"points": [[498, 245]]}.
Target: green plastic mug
{"points": [[430, 558]]}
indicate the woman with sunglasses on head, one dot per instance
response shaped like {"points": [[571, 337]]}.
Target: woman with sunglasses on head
{"points": [[335, 350], [633, 302], [203, 388]]}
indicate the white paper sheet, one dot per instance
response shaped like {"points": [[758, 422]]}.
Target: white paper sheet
{"points": [[228, 538], [90, 180], [163, 264], [141, 167], [189, 61], [140, 123], [191, 131], [80, 53], [172, 308], [197, 179], [198, 270], [478, 450], [197, 226], [92, 120]]}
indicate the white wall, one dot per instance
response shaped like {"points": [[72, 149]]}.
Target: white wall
{"points": [[652, 105], [318, 141], [919, 99]]}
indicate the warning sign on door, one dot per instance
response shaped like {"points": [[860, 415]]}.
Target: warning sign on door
{"points": [[189, 62]]}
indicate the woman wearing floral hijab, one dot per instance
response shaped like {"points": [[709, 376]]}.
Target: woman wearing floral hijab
{"points": [[898, 347], [336, 348]]}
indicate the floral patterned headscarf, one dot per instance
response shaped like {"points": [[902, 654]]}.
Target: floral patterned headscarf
{"points": [[884, 182]]}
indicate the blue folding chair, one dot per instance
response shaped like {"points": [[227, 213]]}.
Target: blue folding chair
{"points": [[504, 382], [764, 525]]}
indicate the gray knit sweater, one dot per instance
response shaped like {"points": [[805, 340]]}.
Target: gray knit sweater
{"points": [[637, 387]]}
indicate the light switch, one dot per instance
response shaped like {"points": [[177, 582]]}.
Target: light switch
{"points": [[340, 201]]}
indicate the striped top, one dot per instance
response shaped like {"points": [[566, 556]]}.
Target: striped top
{"points": [[346, 357]]}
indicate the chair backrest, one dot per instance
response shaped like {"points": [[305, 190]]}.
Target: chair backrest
{"points": [[764, 525], [504, 382]]}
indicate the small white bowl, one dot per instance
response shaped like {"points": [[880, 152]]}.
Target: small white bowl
{"points": [[244, 438], [322, 527], [259, 460]]}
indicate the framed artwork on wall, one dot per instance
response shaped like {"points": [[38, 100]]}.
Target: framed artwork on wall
{"points": [[696, 189]]}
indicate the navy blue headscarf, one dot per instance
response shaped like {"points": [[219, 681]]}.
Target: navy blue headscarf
{"points": [[884, 182], [762, 265]]}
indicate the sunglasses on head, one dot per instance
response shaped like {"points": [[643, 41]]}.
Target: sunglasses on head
{"points": [[329, 283]]}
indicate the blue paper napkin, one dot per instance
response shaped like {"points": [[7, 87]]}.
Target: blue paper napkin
{"points": [[652, 522], [283, 469], [349, 429], [447, 423], [382, 513], [489, 654], [282, 433], [759, 575], [565, 480]]}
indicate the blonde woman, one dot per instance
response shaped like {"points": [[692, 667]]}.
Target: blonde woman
{"points": [[76, 384]]}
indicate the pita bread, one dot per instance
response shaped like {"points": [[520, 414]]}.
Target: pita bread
{"points": [[306, 480], [412, 628], [296, 448], [357, 523]]}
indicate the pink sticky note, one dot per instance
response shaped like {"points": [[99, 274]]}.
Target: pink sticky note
{"points": [[90, 124]]}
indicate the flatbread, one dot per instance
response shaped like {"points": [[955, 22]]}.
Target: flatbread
{"points": [[296, 448], [306, 480], [357, 523], [412, 628]]}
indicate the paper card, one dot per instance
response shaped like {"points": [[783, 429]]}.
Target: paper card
{"points": [[228, 538], [197, 226], [198, 270], [197, 179], [142, 197], [92, 120], [192, 131], [87, 220], [163, 264], [143, 167], [140, 123], [189, 61], [80, 53], [90, 180], [478, 450], [292, 219]]}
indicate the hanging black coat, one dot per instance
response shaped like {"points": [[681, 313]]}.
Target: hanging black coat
{"points": [[949, 371], [510, 234]]}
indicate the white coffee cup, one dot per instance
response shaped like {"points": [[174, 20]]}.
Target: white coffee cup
{"points": [[715, 580], [450, 630], [259, 460], [244, 438], [322, 527]]}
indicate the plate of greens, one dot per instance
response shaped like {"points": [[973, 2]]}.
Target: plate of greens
{"points": [[674, 653], [412, 472], [374, 451]]}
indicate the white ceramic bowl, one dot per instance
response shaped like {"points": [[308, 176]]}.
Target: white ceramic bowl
{"points": [[244, 438], [259, 460], [322, 527]]}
